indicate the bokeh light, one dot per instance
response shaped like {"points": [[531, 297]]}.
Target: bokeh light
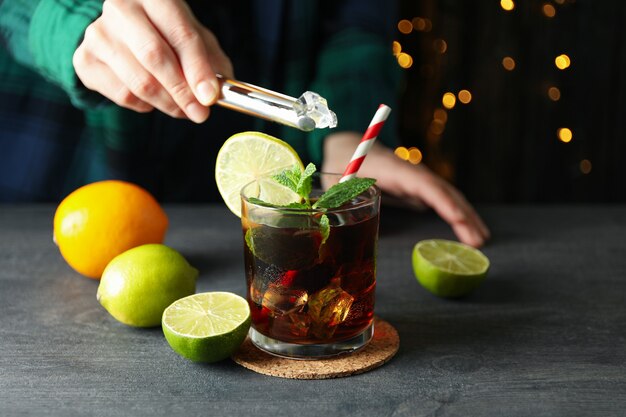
{"points": [[402, 152], [396, 48], [508, 63], [507, 5], [441, 115], [564, 134], [548, 10], [440, 46], [421, 24], [562, 61], [448, 100], [465, 96], [415, 156], [405, 26], [405, 60], [554, 94], [436, 127], [585, 166]]}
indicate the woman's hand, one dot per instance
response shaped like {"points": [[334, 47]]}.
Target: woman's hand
{"points": [[414, 184], [144, 54]]}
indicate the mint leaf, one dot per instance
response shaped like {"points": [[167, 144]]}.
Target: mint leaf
{"points": [[343, 192], [302, 206], [304, 185], [289, 178], [250, 241], [324, 228], [260, 202]]}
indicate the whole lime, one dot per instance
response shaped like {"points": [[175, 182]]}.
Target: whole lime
{"points": [[138, 285], [449, 269]]}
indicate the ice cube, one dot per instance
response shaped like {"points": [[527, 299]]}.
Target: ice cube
{"points": [[321, 331], [363, 307], [263, 276], [330, 306], [295, 325], [357, 277], [283, 300], [311, 105]]}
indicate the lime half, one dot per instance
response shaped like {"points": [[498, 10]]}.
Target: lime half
{"points": [[250, 156], [207, 327], [449, 269]]}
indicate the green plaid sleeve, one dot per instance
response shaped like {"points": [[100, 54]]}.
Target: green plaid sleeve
{"points": [[43, 35], [356, 72]]}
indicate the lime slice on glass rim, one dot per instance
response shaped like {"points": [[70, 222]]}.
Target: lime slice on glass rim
{"points": [[249, 156], [449, 269], [206, 327]]}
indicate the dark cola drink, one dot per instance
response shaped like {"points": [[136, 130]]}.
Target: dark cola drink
{"points": [[304, 291]]}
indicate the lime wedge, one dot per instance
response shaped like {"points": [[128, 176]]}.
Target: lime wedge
{"points": [[449, 269], [206, 327], [247, 157]]}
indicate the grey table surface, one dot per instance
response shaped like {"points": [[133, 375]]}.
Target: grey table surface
{"points": [[543, 336]]}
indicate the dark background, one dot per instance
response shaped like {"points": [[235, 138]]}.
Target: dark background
{"points": [[503, 145]]}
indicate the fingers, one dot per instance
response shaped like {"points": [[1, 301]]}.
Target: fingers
{"points": [[116, 90], [453, 208], [180, 30], [467, 207], [159, 51], [97, 76], [155, 55], [123, 64]]}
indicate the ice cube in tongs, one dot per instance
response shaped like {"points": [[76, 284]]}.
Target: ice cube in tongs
{"points": [[309, 111]]}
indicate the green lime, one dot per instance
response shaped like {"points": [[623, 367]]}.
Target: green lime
{"points": [[252, 156], [449, 269], [138, 285], [207, 327]]}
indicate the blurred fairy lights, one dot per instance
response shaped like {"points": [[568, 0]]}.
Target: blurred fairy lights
{"points": [[405, 26], [562, 61], [564, 134], [465, 96], [404, 60], [440, 46], [412, 154], [508, 63], [507, 5], [421, 24], [554, 93], [436, 126], [448, 100], [548, 10], [585, 166]]}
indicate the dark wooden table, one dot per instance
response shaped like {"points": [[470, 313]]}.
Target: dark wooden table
{"points": [[544, 336]]}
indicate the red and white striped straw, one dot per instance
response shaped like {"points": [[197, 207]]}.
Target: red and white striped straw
{"points": [[367, 141]]}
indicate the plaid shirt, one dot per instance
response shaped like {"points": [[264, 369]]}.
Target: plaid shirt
{"points": [[56, 135]]}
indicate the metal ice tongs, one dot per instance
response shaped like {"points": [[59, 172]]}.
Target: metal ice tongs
{"points": [[309, 111]]}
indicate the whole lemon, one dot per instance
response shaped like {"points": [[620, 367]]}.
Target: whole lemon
{"points": [[98, 221], [138, 285]]}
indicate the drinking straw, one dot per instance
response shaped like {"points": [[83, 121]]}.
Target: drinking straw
{"points": [[366, 143]]}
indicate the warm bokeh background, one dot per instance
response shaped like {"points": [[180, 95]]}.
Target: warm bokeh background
{"points": [[517, 101]]}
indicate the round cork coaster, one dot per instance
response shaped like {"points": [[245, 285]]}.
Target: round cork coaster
{"points": [[379, 350]]}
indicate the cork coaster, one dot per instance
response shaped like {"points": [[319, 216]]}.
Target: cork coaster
{"points": [[380, 349]]}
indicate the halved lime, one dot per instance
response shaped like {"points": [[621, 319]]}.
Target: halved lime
{"points": [[250, 156], [206, 327], [449, 269]]}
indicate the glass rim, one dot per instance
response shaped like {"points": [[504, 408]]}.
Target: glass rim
{"points": [[373, 189]]}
